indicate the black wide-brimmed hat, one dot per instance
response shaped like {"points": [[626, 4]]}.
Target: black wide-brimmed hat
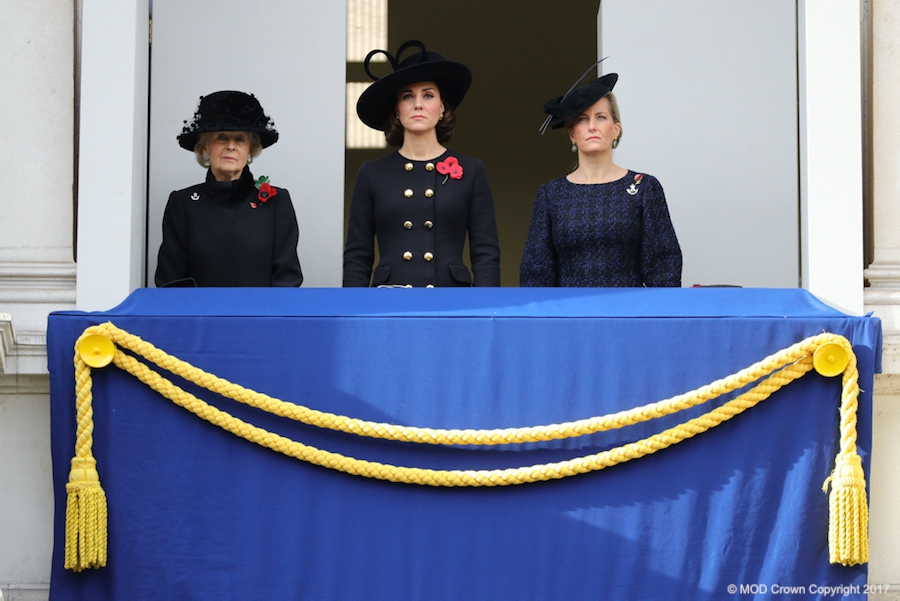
{"points": [[576, 100], [380, 99], [228, 111]]}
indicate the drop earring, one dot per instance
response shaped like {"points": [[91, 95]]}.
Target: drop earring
{"points": [[574, 148], [249, 160], [441, 116]]}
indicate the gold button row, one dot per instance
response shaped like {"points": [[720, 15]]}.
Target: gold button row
{"points": [[409, 225], [428, 166], [428, 193], [408, 256]]}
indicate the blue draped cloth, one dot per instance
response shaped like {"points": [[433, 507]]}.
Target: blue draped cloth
{"points": [[198, 513]]}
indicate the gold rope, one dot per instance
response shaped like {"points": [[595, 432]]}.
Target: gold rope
{"points": [[784, 367], [466, 436]]}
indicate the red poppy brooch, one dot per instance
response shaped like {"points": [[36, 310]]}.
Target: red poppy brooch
{"points": [[451, 168], [266, 191]]}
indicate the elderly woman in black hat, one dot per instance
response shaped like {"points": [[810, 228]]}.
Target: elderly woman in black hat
{"points": [[600, 225], [231, 230], [422, 200]]}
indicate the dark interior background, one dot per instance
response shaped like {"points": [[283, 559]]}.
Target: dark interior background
{"points": [[521, 54]]}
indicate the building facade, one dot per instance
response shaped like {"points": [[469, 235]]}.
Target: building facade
{"points": [[73, 217]]}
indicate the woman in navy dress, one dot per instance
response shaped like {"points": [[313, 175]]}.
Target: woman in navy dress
{"points": [[601, 225], [421, 201]]}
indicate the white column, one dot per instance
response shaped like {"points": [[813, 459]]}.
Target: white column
{"points": [[112, 151], [830, 152]]}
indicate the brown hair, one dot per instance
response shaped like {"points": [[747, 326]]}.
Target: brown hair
{"points": [[444, 128]]}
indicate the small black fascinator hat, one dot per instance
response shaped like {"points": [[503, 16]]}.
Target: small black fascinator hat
{"points": [[228, 111], [380, 99], [577, 100]]}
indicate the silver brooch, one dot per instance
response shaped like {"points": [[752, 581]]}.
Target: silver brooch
{"points": [[632, 189], [195, 196]]}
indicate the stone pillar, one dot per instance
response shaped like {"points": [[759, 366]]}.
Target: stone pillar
{"points": [[883, 295], [37, 268]]}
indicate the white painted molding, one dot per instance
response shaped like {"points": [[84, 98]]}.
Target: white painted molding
{"points": [[7, 339], [21, 354], [26, 282], [25, 384], [883, 275]]}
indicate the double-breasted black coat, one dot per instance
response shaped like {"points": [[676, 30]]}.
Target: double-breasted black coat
{"points": [[214, 235], [420, 218]]}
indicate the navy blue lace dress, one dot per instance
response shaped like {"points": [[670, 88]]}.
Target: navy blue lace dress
{"points": [[601, 235]]}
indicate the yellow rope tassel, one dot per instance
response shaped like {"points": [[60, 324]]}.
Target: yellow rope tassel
{"points": [[848, 513], [85, 517], [848, 509], [86, 513]]}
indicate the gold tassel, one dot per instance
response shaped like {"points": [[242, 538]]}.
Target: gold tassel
{"points": [[848, 512], [85, 517]]}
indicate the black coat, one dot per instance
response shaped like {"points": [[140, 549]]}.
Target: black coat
{"points": [[212, 233], [420, 218]]}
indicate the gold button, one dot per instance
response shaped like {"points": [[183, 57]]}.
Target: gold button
{"points": [[408, 193], [407, 255], [428, 256], [429, 286], [408, 166], [429, 193], [407, 225], [429, 225], [429, 166]]}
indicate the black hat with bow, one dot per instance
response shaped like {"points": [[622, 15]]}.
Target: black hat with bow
{"points": [[228, 111], [576, 100], [379, 100]]}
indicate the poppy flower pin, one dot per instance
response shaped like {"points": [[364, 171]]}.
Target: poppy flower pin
{"points": [[266, 191], [451, 168]]}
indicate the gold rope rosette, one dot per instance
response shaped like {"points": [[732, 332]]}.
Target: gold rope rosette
{"points": [[99, 345]]}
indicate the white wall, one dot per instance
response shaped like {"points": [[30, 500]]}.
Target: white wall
{"points": [[37, 271], [36, 133]]}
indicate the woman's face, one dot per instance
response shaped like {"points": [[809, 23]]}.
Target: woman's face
{"points": [[228, 152], [419, 106], [594, 130]]}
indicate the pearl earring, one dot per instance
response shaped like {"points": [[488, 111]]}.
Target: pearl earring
{"points": [[574, 148], [441, 116], [249, 160]]}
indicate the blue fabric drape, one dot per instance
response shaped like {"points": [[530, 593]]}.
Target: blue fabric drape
{"points": [[196, 513]]}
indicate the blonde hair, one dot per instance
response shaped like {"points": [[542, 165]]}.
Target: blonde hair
{"points": [[203, 141], [614, 113]]}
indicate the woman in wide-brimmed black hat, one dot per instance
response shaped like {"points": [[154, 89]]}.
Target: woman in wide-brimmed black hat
{"points": [[231, 230], [600, 225], [421, 201]]}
